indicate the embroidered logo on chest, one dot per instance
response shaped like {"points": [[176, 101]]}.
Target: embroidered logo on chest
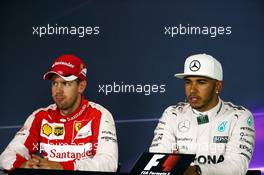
{"points": [[222, 126], [82, 130]]}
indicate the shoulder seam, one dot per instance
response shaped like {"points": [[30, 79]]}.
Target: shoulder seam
{"points": [[52, 106]]}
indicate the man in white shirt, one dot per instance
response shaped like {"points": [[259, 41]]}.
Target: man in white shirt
{"points": [[221, 134]]}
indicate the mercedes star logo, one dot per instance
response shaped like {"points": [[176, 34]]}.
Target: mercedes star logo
{"points": [[184, 126], [195, 65]]}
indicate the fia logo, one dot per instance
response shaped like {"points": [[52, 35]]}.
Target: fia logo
{"points": [[154, 161], [167, 165], [222, 126]]}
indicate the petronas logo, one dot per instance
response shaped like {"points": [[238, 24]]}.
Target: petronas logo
{"points": [[222, 126]]}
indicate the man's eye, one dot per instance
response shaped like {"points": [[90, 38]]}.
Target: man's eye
{"points": [[187, 82], [202, 82], [66, 83]]}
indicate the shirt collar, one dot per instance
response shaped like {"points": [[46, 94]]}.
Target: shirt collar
{"points": [[75, 114], [212, 112]]}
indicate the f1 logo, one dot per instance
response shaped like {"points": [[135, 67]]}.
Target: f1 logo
{"points": [[153, 162]]}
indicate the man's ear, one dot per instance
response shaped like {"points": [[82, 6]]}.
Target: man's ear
{"points": [[219, 87], [82, 86]]}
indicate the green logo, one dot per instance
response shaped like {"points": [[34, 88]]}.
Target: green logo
{"points": [[202, 119], [249, 121]]}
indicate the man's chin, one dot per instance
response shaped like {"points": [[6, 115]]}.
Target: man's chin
{"points": [[61, 106], [196, 106]]}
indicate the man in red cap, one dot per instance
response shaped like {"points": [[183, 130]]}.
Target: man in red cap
{"points": [[72, 134]]}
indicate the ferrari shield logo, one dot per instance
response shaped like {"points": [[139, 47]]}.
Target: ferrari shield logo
{"points": [[77, 126]]}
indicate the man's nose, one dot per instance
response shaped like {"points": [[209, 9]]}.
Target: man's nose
{"points": [[193, 88], [59, 88]]}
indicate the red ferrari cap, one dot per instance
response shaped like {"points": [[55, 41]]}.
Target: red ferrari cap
{"points": [[68, 67]]}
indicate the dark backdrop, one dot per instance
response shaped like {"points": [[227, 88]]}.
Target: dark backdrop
{"points": [[132, 47]]}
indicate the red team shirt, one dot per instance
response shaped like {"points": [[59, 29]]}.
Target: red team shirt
{"points": [[83, 140]]}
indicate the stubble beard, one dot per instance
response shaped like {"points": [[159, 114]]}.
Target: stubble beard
{"points": [[67, 105], [204, 103]]}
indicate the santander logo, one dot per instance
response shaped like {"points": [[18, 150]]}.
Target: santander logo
{"points": [[54, 154], [64, 152], [63, 63]]}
